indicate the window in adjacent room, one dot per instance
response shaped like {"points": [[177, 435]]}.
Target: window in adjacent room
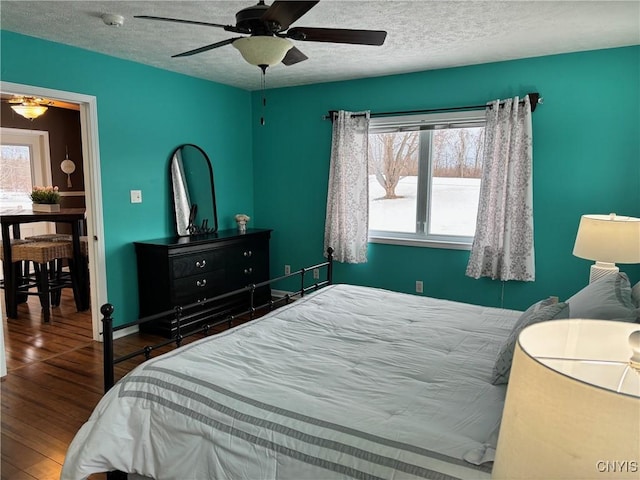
{"points": [[424, 178]]}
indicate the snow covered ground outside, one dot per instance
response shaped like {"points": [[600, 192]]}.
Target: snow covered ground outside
{"points": [[15, 200], [454, 205]]}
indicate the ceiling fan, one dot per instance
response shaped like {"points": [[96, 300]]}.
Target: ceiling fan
{"points": [[269, 41]]}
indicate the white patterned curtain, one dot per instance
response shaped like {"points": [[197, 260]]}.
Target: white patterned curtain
{"points": [[347, 223], [503, 244]]}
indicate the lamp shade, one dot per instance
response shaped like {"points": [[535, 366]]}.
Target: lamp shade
{"points": [[572, 409], [263, 50], [608, 238]]}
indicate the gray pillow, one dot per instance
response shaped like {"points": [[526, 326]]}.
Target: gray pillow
{"points": [[635, 295], [537, 306], [608, 298], [534, 314]]}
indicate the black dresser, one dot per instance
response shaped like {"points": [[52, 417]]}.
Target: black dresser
{"points": [[184, 270]]}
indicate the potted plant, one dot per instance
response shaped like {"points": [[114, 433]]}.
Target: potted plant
{"points": [[45, 199]]}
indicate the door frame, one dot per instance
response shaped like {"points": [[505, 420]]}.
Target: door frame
{"points": [[93, 187]]}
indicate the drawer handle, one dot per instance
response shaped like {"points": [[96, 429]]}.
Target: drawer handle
{"points": [[248, 253], [200, 300], [248, 271], [201, 283], [201, 264]]}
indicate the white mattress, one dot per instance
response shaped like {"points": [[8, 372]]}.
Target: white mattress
{"points": [[348, 382]]}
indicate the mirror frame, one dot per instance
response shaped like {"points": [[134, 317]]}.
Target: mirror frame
{"points": [[195, 230]]}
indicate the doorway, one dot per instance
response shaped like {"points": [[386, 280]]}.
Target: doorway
{"points": [[93, 190]]}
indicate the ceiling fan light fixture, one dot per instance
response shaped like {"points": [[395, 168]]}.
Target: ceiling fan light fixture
{"points": [[262, 50]]}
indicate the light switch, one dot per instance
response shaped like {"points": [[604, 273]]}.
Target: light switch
{"points": [[136, 196]]}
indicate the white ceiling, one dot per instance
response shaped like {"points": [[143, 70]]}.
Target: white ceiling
{"points": [[422, 35]]}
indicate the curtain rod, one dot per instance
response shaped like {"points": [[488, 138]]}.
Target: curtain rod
{"points": [[534, 98]]}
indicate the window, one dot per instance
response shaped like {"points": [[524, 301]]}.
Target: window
{"points": [[24, 162], [15, 180], [424, 178]]}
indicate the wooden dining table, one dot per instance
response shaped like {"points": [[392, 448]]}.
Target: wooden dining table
{"points": [[11, 219]]}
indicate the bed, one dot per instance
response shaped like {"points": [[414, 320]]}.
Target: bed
{"points": [[346, 382]]}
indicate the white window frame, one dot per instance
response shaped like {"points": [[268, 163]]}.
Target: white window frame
{"points": [[38, 144], [428, 121]]}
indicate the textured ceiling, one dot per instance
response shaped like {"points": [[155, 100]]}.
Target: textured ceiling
{"points": [[422, 35]]}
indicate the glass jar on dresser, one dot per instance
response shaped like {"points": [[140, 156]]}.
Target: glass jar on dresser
{"points": [[185, 270]]}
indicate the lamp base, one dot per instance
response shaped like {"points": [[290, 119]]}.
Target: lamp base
{"points": [[601, 269]]}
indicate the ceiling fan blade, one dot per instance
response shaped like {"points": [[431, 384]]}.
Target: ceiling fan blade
{"points": [[338, 35], [293, 56], [285, 12], [206, 47], [178, 20]]}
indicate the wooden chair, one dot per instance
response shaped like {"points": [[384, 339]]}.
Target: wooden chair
{"points": [[64, 237], [46, 257], [21, 270], [61, 237], [50, 237]]}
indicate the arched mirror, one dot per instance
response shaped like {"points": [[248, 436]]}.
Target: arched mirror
{"points": [[194, 197]]}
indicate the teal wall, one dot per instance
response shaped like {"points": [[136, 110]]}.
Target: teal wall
{"points": [[586, 157], [143, 114], [586, 160]]}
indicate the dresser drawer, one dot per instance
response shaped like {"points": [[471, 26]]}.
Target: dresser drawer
{"points": [[248, 264], [196, 263], [248, 253], [186, 270], [198, 287]]}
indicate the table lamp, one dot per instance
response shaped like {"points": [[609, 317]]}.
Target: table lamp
{"points": [[572, 409], [607, 239]]}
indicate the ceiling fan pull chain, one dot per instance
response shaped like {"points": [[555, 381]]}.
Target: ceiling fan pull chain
{"points": [[263, 83]]}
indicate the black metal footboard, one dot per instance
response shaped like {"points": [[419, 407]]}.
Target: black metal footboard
{"points": [[215, 319]]}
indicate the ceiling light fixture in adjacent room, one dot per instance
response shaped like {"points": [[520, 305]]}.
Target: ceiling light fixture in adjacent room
{"points": [[29, 107]]}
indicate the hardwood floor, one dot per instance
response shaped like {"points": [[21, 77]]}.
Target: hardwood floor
{"points": [[53, 383]]}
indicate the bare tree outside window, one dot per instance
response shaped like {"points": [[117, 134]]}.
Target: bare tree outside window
{"points": [[457, 152], [393, 156]]}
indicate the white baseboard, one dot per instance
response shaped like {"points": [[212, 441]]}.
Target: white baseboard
{"points": [[278, 294], [125, 331]]}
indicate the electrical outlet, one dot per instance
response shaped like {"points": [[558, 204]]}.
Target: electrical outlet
{"points": [[287, 269], [419, 286], [316, 273]]}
